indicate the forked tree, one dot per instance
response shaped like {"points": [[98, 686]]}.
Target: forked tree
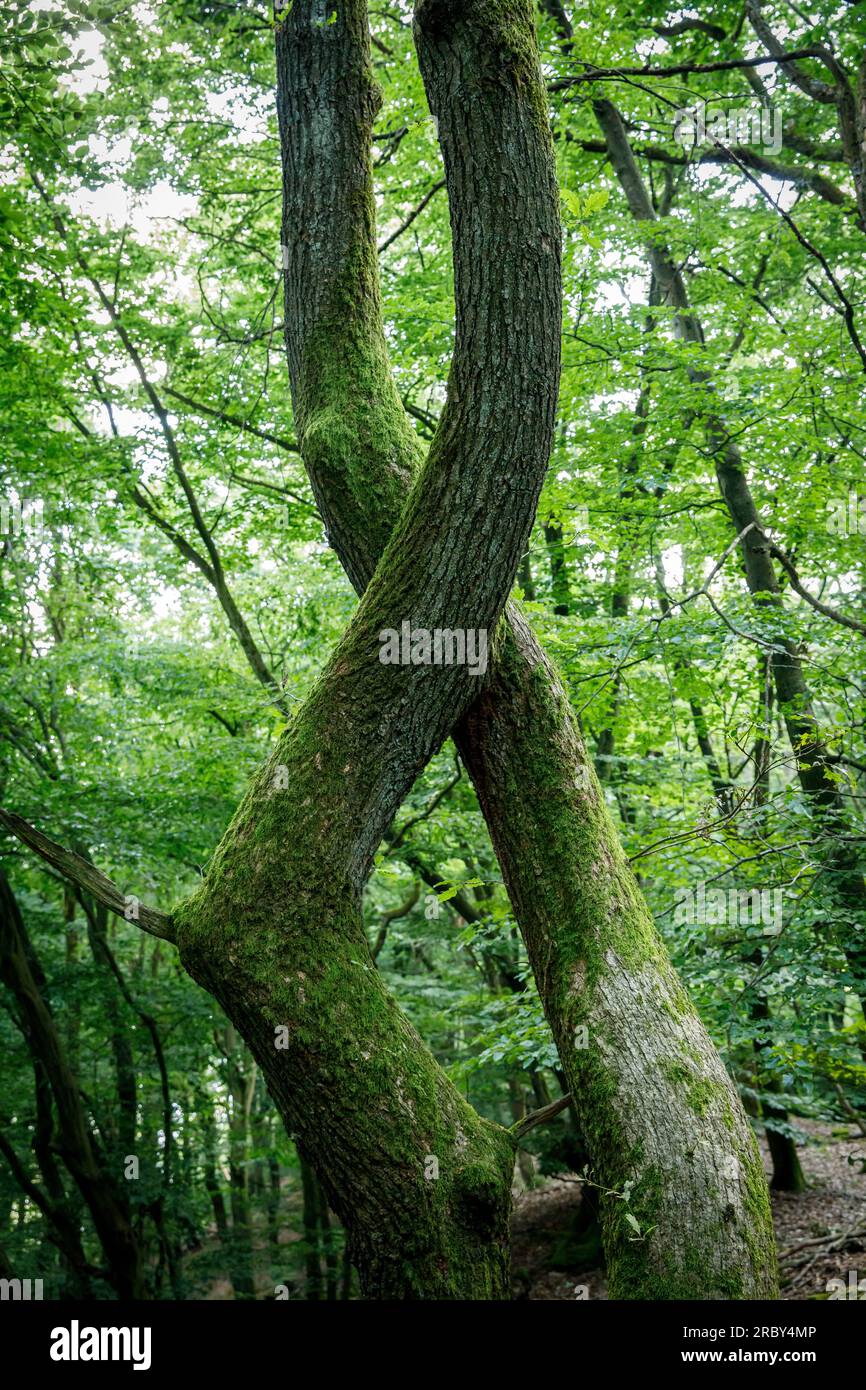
{"points": [[420, 1180]]}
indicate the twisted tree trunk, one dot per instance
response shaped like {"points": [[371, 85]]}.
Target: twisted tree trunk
{"points": [[661, 1115], [275, 932]]}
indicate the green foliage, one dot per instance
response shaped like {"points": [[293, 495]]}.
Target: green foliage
{"points": [[140, 185]]}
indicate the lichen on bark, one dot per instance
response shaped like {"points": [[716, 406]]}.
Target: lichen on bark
{"points": [[275, 930], [659, 1111]]}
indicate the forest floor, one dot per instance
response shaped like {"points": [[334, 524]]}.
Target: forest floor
{"points": [[821, 1233]]}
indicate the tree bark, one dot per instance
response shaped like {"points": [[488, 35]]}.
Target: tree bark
{"points": [[658, 1108], [275, 932]]}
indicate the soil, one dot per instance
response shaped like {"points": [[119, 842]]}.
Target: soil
{"points": [[820, 1233]]}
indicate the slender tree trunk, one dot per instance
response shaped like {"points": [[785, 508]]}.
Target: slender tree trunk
{"points": [[273, 1202], [517, 1103], [329, 1249], [787, 1172], [560, 589], [97, 924], [814, 768], [312, 1253], [238, 1086], [121, 1047], [65, 1205], [211, 1180], [62, 1228], [108, 1209], [723, 790], [525, 578]]}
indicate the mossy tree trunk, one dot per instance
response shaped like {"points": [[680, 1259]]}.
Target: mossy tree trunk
{"points": [[660, 1113], [421, 1183]]}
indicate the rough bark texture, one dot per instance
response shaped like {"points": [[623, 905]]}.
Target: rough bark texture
{"points": [[657, 1105], [275, 933], [658, 1108]]}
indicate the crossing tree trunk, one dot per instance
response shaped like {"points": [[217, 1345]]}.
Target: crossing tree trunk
{"points": [[275, 932], [660, 1113]]}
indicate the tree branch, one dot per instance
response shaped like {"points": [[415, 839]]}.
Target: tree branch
{"points": [[539, 1117], [684, 26], [816, 603], [812, 86], [738, 155], [88, 877], [228, 418], [393, 914], [416, 211], [683, 69]]}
